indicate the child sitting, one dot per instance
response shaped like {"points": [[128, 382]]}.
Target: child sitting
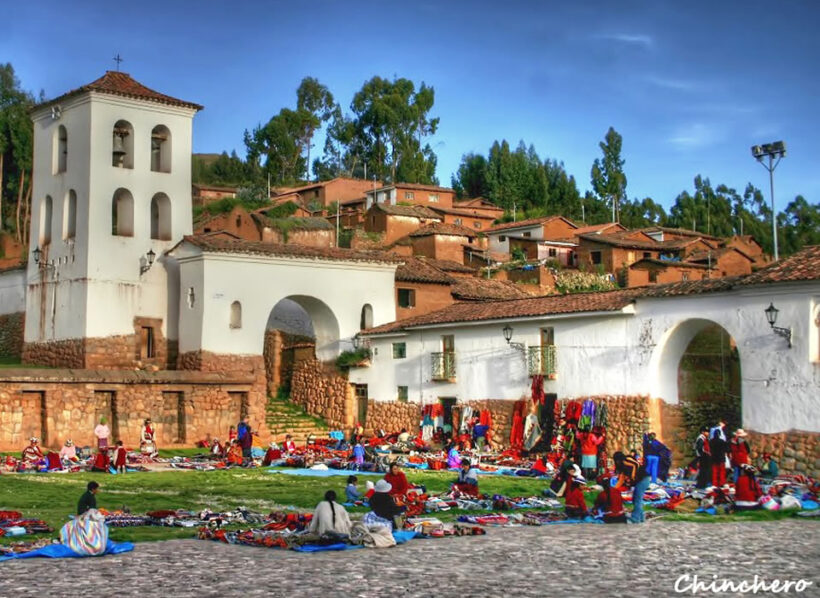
{"points": [[575, 506], [351, 492]]}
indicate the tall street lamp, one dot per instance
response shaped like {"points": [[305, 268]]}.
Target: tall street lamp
{"points": [[776, 149]]}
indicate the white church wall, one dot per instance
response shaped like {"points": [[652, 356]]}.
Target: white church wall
{"points": [[12, 291]]}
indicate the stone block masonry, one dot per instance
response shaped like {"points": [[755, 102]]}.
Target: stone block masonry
{"points": [[11, 334], [323, 392], [59, 404]]}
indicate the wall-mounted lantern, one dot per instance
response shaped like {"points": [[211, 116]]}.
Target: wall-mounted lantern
{"points": [[147, 261], [508, 334], [771, 316]]}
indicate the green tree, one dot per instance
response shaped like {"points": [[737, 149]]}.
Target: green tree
{"points": [[315, 100], [471, 178], [16, 146], [799, 225], [607, 176]]}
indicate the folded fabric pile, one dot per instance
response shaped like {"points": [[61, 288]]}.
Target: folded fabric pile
{"points": [[12, 523], [24, 547]]}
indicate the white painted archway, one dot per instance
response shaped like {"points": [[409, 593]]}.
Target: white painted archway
{"points": [[323, 324]]}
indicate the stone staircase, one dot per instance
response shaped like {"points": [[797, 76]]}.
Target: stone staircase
{"points": [[285, 417]]}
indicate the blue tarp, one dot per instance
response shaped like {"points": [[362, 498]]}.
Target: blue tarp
{"points": [[61, 551], [323, 473]]}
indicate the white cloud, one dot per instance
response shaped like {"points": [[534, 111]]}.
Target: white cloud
{"points": [[637, 39], [695, 135]]}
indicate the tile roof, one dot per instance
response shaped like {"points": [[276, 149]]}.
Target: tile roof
{"points": [[319, 184], [482, 289], [417, 270], [307, 223], [471, 212], [441, 228], [416, 186], [679, 231], [803, 265], [598, 228], [611, 301], [215, 245], [121, 84], [408, 211], [634, 244], [670, 263], [449, 266], [484, 204], [705, 256], [525, 223]]}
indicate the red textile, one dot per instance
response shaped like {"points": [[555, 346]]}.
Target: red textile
{"points": [[739, 453], [574, 498], [747, 489], [718, 474], [574, 410], [611, 502], [469, 489], [399, 483], [590, 442], [53, 460], [538, 395], [539, 466]]}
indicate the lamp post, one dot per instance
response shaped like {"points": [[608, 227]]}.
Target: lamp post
{"points": [[776, 149], [148, 261], [508, 333], [771, 316]]}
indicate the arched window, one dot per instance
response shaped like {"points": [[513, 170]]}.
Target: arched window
{"points": [[45, 221], [122, 153], [236, 315], [60, 149], [122, 214], [161, 149], [161, 217], [70, 215], [367, 317]]}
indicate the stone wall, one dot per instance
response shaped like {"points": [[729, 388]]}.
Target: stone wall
{"points": [[11, 334], [392, 416], [59, 404], [57, 354], [323, 392], [794, 451], [254, 403]]}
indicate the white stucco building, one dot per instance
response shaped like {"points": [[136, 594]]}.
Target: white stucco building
{"points": [[620, 342]]}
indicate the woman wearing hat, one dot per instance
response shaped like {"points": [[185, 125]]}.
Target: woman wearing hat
{"points": [[747, 489], [384, 508], [32, 454], [610, 501], [69, 452], [575, 506], [739, 451], [148, 446]]}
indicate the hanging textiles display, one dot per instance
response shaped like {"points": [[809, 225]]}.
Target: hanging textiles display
{"points": [[538, 389]]}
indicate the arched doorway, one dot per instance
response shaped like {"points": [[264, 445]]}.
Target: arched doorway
{"points": [[299, 327], [697, 365]]}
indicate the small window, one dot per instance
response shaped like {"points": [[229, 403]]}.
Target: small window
{"points": [[502, 239], [61, 150], [401, 394], [547, 337], [646, 254], [161, 149], [236, 315], [122, 153], [366, 319], [476, 224], [238, 221], [409, 195], [147, 348], [595, 256], [653, 276], [407, 298], [433, 197], [553, 252], [45, 220], [527, 234], [399, 350], [684, 275], [457, 221]]}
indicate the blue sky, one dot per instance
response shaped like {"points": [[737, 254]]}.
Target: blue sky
{"points": [[690, 85]]}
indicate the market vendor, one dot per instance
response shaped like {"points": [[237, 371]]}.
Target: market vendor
{"points": [[289, 446], [330, 516], [747, 489], [739, 451], [272, 454], [88, 500], [32, 454], [453, 458], [610, 501], [102, 432], [384, 508], [397, 480], [217, 450], [68, 453], [632, 473], [575, 505], [404, 436], [234, 456], [480, 435], [148, 445], [467, 481], [590, 441]]}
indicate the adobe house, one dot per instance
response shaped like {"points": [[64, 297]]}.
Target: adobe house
{"points": [[411, 193], [469, 217], [480, 205], [561, 252], [442, 241], [748, 245], [648, 271], [546, 227], [394, 222], [311, 232], [237, 222], [724, 261], [420, 289], [613, 253], [202, 195], [340, 189]]}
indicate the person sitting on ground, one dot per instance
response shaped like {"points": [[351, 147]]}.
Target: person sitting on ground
{"points": [[352, 493], [68, 453], [747, 489], [289, 446], [369, 489], [559, 484], [383, 507], [32, 454], [272, 454], [330, 516], [232, 434], [148, 445], [101, 462], [234, 456], [768, 466], [120, 456], [610, 502], [575, 505], [632, 473], [404, 436], [88, 500], [217, 450], [397, 480], [467, 481]]}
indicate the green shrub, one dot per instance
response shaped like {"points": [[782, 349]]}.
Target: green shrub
{"points": [[348, 359]]}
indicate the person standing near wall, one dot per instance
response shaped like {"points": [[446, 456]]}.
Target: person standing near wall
{"points": [[102, 432], [719, 443], [703, 454]]}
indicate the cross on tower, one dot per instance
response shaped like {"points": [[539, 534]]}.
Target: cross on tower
{"points": [[118, 60]]}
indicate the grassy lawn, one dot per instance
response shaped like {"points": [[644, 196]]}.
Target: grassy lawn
{"points": [[53, 497]]}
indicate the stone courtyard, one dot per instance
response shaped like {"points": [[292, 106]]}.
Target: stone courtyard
{"points": [[558, 560]]}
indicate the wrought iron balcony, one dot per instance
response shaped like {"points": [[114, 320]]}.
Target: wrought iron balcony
{"points": [[443, 365], [542, 361]]}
